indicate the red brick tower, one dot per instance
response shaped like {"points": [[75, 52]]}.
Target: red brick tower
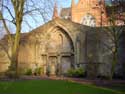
{"points": [[89, 12]]}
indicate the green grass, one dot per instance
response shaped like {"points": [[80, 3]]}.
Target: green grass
{"points": [[51, 87], [118, 87]]}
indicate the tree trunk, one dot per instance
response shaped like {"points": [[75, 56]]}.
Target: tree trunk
{"points": [[13, 69], [114, 62]]}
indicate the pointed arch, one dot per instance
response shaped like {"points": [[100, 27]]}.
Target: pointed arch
{"points": [[65, 32]]}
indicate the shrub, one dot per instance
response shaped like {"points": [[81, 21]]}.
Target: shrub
{"points": [[79, 72], [28, 72], [70, 72], [38, 71]]}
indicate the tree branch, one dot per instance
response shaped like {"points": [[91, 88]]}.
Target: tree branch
{"points": [[9, 11], [5, 50], [6, 28]]}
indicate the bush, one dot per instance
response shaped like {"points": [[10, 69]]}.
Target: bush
{"points": [[38, 71], [28, 72], [79, 72]]}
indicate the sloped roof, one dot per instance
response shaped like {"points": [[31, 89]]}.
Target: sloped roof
{"points": [[6, 36], [65, 12]]}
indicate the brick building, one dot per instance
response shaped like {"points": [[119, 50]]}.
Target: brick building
{"points": [[86, 12], [90, 12]]}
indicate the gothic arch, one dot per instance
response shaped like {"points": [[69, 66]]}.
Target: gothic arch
{"points": [[62, 59], [65, 32]]}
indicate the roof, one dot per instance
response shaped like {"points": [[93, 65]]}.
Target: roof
{"points": [[65, 12]]}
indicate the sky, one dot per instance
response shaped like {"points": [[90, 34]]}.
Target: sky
{"points": [[65, 3]]}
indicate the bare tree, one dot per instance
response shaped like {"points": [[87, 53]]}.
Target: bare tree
{"points": [[17, 11], [114, 32]]}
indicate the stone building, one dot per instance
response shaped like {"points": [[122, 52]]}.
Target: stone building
{"points": [[59, 43], [62, 44]]}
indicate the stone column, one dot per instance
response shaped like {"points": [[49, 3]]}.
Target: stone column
{"points": [[59, 66]]}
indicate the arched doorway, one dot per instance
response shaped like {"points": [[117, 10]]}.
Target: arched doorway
{"points": [[60, 51]]}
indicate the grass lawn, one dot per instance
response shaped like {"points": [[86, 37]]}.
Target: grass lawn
{"points": [[118, 87], [50, 87]]}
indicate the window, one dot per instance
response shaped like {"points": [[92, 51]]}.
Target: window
{"points": [[88, 20]]}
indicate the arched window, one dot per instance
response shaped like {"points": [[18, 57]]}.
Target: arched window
{"points": [[60, 39], [78, 51], [89, 20]]}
